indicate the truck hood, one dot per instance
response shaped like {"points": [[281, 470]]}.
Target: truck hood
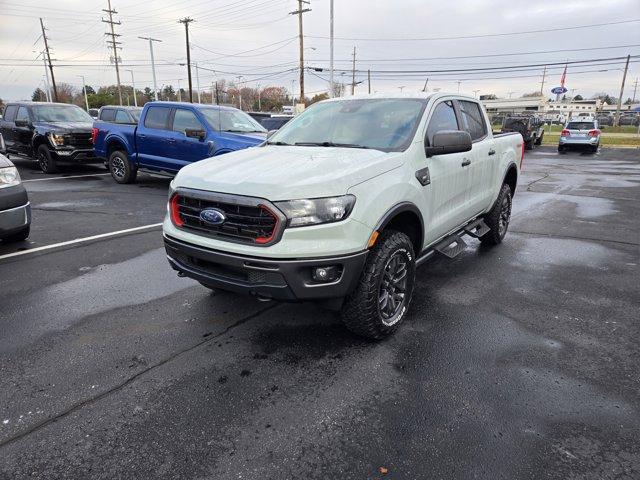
{"points": [[66, 127], [287, 172], [252, 138]]}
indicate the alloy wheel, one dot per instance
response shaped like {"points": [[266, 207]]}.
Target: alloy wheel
{"points": [[393, 288]]}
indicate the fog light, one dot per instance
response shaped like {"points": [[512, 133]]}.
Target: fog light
{"points": [[325, 274]]}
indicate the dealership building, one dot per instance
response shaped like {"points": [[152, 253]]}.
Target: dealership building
{"points": [[544, 106]]}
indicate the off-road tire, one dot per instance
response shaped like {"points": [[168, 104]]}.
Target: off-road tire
{"points": [[46, 160], [528, 145], [361, 311], [121, 168], [18, 236], [539, 139], [495, 218]]}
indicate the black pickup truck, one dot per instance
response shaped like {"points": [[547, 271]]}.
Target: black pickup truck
{"points": [[51, 133]]}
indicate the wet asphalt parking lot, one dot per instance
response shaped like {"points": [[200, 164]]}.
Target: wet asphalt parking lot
{"points": [[518, 362]]}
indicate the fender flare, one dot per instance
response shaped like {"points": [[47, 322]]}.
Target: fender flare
{"points": [[401, 208], [506, 172]]}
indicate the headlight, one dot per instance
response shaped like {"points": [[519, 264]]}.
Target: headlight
{"points": [[9, 177], [314, 211], [56, 139]]}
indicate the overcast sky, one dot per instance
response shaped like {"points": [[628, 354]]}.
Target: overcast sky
{"points": [[258, 39]]}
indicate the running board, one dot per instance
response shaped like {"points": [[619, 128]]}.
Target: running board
{"points": [[476, 228], [451, 246]]}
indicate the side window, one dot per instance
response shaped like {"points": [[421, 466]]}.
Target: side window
{"points": [[10, 113], [23, 114], [157, 117], [122, 117], [185, 119], [472, 119], [108, 115], [443, 118]]}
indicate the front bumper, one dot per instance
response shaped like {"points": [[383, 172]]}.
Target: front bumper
{"points": [[83, 155], [14, 219], [288, 280]]}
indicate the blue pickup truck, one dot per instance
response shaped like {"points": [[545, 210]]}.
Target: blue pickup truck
{"points": [[170, 135]]}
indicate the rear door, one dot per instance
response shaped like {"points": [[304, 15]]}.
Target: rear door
{"points": [[445, 197], [7, 127], [482, 156], [153, 138]]}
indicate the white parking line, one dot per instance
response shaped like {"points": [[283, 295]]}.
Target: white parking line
{"points": [[62, 178], [81, 240]]}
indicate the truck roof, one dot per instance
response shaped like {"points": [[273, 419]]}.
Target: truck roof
{"points": [[408, 95], [194, 105]]}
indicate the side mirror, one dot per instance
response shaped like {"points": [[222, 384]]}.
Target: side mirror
{"points": [[22, 123], [193, 133], [270, 133], [3, 146], [449, 141]]}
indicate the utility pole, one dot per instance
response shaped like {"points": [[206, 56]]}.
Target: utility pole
{"points": [[133, 84], [353, 72], [217, 97], [331, 87], [213, 98], [46, 47], [369, 80], [153, 64], [114, 44], [239, 90], [84, 89], [475, 93], [426, 82], [187, 21], [46, 77], [635, 87], [459, 82], [259, 102], [299, 12], [197, 81], [544, 76], [616, 120]]}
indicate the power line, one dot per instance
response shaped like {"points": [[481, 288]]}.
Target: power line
{"points": [[463, 37]]}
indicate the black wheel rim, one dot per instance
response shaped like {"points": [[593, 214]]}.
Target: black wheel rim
{"points": [[117, 167], [505, 215], [393, 288], [43, 161]]}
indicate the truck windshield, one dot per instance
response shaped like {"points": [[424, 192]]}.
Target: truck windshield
{"points": [[383, 124], [231, 121], [60, 113]]}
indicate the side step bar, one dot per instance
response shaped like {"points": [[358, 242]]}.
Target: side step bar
{"points": [[452, 245]]}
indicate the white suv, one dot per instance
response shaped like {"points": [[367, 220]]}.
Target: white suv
{"points": [[344, 202]]}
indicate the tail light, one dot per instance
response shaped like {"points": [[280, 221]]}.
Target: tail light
{"points": [[594, 133], [94, 135], [565, 133], [174, 211]]}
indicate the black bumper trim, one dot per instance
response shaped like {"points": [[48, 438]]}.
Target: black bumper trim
{"points": [[288, 280]]}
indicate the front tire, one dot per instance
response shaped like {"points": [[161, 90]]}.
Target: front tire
{"points": [[498, 218], [46, 160], [120, 167], [380, 301]]}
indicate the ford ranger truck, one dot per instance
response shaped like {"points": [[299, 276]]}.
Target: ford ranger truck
{"points": [[169, 135], [344, 202]]}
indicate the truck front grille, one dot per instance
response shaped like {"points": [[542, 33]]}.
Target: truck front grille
{"points": [[253, 223], [80, 140]]}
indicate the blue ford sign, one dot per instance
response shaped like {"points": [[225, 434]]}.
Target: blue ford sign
{"points": [[559, 90], [212, 216]]}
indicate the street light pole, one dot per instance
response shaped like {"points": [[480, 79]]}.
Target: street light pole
{"points": [[153, 65], [197, 81], [331, 93], [133, 84], [84, 89]]}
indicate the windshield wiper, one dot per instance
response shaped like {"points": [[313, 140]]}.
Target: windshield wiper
{"points": [[330, 144], [279, 143], [243, 131]]}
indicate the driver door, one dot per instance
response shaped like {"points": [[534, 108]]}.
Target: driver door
{"points": [[445, 197]]}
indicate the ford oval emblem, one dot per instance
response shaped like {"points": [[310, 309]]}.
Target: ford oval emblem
{"points": [[212, 216]]}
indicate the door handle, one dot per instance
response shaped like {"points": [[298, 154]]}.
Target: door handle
{"points": [[466, 162], [140, 135], [492, 152], [171, 140]]}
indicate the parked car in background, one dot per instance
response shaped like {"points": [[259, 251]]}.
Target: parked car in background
{"points": [[531, 127], [170, 135], [51, 133], [604, 120], [629, 119], [15, 210], [119, 114], [93, 112], [580, 134], [344, 202], [271, 121]]}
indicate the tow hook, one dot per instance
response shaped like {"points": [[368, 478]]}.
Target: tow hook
{"points": [[181, 274]]}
